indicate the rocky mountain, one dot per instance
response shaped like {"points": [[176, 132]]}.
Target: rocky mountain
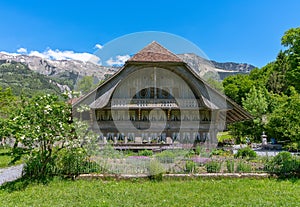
{"points": [[68, 70], [205, 67], [65, 73]]}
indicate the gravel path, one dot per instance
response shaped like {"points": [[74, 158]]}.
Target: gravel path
{"points": [[10, 173]]}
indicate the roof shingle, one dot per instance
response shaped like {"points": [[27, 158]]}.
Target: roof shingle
{"points": [[154, 52]]}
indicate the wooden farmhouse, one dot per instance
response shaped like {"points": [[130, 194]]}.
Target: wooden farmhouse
{"points": [[156, 98]]}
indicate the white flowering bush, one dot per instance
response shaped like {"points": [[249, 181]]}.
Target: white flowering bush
{"points": [[41, 127]]}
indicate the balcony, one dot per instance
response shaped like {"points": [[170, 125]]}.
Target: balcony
{"points": [[155, 103]]}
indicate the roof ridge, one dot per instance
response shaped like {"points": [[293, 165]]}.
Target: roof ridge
{"points": [[154, 52]]}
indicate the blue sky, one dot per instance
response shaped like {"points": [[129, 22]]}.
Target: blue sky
{"points": [[240, 31]]}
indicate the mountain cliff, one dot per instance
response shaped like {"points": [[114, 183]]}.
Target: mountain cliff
{"points": [[64, 73], [203, 66]]}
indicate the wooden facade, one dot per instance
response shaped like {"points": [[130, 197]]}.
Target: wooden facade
{"points": [[157, 98]]}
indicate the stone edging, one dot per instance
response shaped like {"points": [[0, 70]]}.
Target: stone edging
{"points": [[204, 175]]}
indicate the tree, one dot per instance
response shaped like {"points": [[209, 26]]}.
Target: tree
{"points": [[283, 123], [291, 40], [237, 86], [85, 84], [256, 103], [40, 127], [8, 102], [215, 84]]}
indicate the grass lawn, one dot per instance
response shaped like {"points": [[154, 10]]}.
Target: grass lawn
{"points": [[205, 192], [5, 158]]}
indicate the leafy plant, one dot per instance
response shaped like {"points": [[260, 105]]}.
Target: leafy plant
{"points": [[42, 133], [220, 152], [293, 146], [166, 156], [246, 152], [39, 166], [74, 161], [230, 166], [284, 165], [243, 167], [145, 153], [156, 170], [213, 167], [190, 166]]}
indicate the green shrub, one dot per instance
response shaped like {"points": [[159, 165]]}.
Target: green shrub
{"points": [[156, 170], [293, 147], [230, 166], [202, 151], [34, 169], [213, 167], [284, 165], [190, 166], [189, 154], [72, 162], [145, 153], [166, 156], [246, 152], [220, 152], [130, 153], [243, 167]]}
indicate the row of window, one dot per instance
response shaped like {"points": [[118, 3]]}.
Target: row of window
{"points": [[154, 115], [176, 136]]}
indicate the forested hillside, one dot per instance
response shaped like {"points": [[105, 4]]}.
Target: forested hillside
{"points": [[22, 80]]}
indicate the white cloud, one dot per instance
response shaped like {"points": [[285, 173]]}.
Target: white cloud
{"points": [[66, 55], [8, 53], [98, 46], [22, 50], [119, 60], [38, 54]]}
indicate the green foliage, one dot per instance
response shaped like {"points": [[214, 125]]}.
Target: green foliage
{"points": [[284, 122], [166, 156], [74, 161], [237, 86], [39, 133], [213, 167], [5, 157], [190, 166], [230, 166], [246, 152], [255, 103], [243, 167], [284, 165], [85, 84], [274, 96], [145, 153], [26, 82], [8, 102], [39, 166], [108, 151], [216, 84], [293, 146], [156, 170], [220, 152], [224, 137], [291, 40]]}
